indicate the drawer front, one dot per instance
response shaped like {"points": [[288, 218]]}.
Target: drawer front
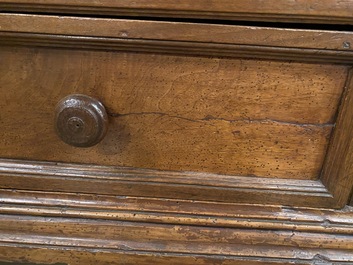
{"points": [[225, 116], [230, 117]]}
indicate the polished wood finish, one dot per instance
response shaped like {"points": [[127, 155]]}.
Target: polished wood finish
{"points": [[80, 120], [54, 176], [177, 31], [338, 166], [167, 231], [146, 112], [177, 38], [175, 211], [302, 11], [158, 119], [217, 134]]}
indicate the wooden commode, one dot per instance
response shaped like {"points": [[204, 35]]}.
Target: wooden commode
{"points": [[176, 132]]}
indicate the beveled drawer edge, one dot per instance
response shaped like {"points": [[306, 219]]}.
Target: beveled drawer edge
{"points": [[87, 171], [177, 38], [177, 48], [337, 168], [52, 176]]}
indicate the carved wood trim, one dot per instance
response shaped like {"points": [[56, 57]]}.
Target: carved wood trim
{"points": [[175, 211], [74, 223]]}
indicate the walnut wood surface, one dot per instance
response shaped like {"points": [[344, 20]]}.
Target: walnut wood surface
{"points": [[178, 31], [177, 38], [300, 236], [176, 211], [338, 167], [16, 253], [54, 176], [80, 120], [302, 11], [215, 115], [318, 47], [141, 90]]}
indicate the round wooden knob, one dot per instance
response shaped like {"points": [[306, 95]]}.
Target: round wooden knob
{"points": [[80, 120]]}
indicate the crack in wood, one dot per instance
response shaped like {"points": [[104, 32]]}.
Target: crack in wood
{"points": [[212, 118]]}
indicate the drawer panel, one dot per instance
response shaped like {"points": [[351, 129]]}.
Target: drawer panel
{"points": [[184, 113]]}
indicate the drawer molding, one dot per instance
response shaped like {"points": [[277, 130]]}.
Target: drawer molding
{"points": [[309, 11], [65, 225], [22, 252], [20, 236], [177, 48], [177, 38], [175, 211], [52, 176]]}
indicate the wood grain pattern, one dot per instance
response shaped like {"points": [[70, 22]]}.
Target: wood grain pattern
{"points": [[178, 31], [35, 253], [80, 120], [337, 171], [54, 176], [177, 38], [34, 227], [142, 237], [175, 211], [175, 113], [202, 113], [177, 48], [132, 237], [303, 11]]}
